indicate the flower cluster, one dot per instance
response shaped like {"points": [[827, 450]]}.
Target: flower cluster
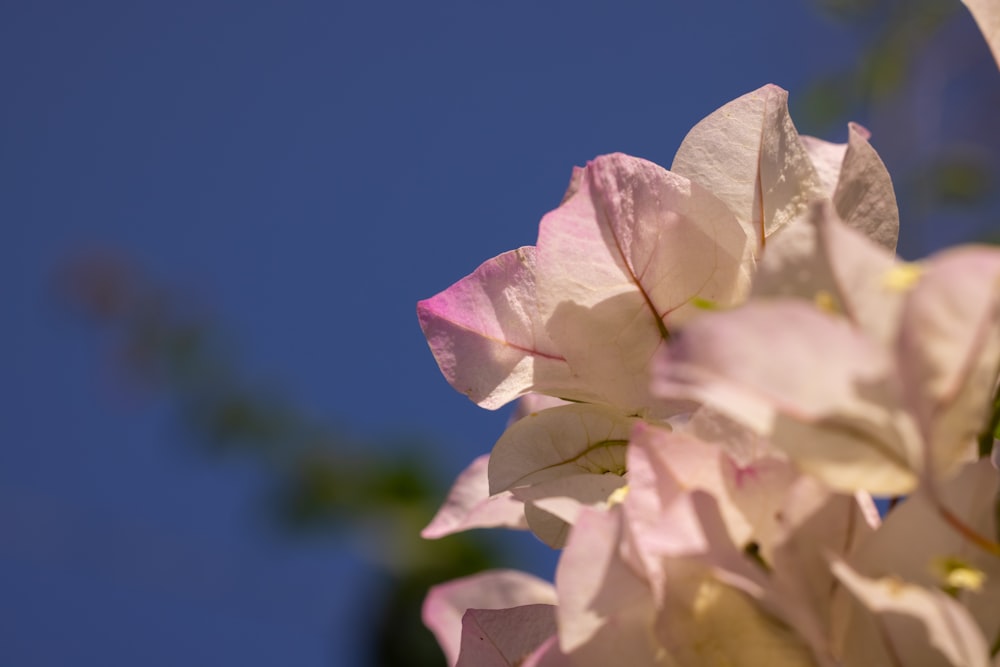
{"points": [[717, 367]]}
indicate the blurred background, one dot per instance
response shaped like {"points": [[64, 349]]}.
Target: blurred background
{"points": [[221, 427]]}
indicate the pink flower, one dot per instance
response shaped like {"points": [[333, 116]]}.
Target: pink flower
{"points": [[890, 389], [634, 250], [470, 505], [448, 604], [716, 511]]}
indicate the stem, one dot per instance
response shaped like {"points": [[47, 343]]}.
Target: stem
{"points": [[968, 532], [989, 432]]}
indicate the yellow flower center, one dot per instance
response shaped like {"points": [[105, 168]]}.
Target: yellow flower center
{"points": [[955, 574], [618, 496], [902, 277]]}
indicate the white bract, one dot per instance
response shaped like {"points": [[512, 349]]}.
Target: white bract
{"points": [[716, 365]]}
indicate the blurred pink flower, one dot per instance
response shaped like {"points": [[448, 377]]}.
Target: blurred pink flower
{"points": [[885, 373]]}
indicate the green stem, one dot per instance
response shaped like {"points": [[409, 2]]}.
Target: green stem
{"points": [[989, 433]]}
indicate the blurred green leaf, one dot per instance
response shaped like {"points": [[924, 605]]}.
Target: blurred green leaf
{"points": [[827, 101], [958, 179], [381, 494], [847, 11]]}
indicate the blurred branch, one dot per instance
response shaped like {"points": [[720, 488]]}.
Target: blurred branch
{"points": [[924, 83], [325, 481], [894, 32]]}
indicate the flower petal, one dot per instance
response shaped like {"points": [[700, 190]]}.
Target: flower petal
{"points": [[827, 158], [949, 347], [855, 179], [552, 506], [504, 637], [916, 543], [485, 333], [749, 495], [815, 523], [531, 403], [748, 153], [704, 621], [861, 272], [470, 505], [494, 589], [599, 592], [831, 403], [838, 268], [864, 197], [559, 442], [623, 259], [907, 624]]}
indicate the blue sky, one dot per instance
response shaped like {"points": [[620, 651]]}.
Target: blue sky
{"points": [[306, 171]]}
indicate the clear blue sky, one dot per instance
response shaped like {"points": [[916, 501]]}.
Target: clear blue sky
{"points": [[307, 170]]}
